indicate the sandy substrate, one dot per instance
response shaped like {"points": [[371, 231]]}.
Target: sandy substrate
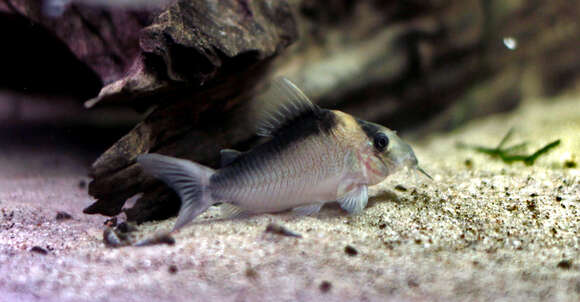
{"points": [[482, 230]]}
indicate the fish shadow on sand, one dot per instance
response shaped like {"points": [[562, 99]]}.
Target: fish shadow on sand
{"points": [[384, 196], [332, 210]]}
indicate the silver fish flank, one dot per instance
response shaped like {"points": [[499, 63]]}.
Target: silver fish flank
{"points": [[312, 156]]}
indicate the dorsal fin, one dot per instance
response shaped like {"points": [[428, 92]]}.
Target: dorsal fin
{"points": [[228, 156], [282, 103]]}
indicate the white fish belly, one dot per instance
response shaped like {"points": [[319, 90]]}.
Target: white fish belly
{"points": [[287, 194], [305, 173]]}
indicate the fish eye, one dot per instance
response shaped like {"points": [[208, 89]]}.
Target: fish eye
{"points": [[381, 141]]}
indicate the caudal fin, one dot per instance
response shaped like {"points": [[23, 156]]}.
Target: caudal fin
{"points": [[190, 180]]}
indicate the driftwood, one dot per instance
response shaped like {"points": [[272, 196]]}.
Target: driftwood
{"points": [[206, 58], [396, 62]]}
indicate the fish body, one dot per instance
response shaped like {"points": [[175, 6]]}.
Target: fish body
{"points": [[313, 156]]}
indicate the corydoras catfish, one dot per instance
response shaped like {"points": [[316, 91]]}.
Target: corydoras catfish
{"points": [[312, 156]]}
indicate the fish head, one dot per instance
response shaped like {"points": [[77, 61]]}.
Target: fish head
{"points": [[386, 153]]}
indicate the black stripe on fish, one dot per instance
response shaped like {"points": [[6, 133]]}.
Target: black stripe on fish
{"points": [[310, 122]]}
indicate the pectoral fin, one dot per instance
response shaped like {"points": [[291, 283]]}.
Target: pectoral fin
{"points": [[355, 200], [308, 209]]}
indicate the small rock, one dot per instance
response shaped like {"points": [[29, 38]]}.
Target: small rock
{"points": [[570, 163], [350, 250], [172, 269], [63, 216], [325, 286], [565, 264], [400, 188], [468, 163], [37, 249], [251, 273], [412, 283]]}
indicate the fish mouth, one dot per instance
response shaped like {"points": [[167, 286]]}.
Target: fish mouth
{"points": [[413, 163], [407, 161], [410, 162]]}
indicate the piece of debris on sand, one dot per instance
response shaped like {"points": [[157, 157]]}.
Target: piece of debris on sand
{"points": [[277, 229]]}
